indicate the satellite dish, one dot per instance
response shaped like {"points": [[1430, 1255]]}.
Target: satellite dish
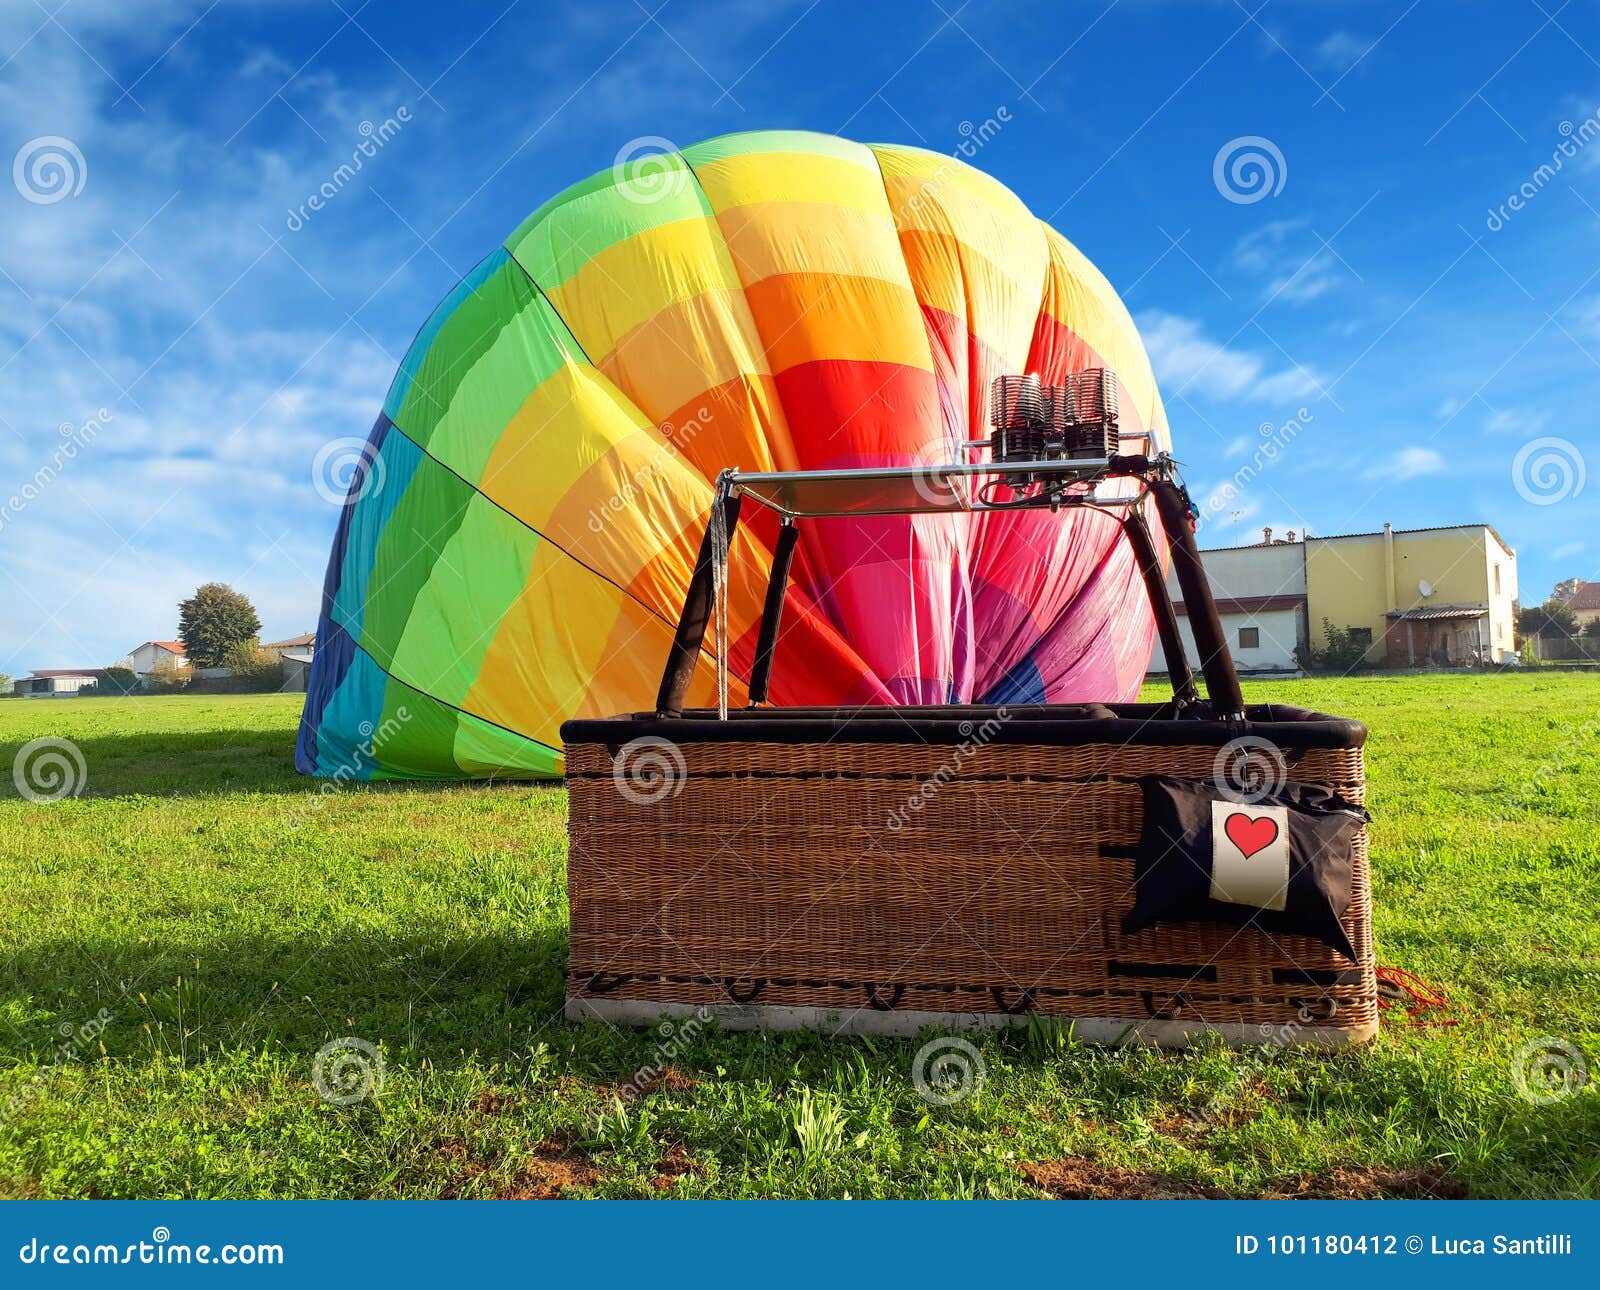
{"points": [[1425, 587]]}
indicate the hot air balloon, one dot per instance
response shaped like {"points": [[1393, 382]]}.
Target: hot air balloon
{"points": [[523, 520]]}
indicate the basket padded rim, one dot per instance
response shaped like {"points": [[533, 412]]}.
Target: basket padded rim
{"points": [[1048, 724]]}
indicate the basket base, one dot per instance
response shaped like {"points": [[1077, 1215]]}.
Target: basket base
{"points": [[908, 1023]]}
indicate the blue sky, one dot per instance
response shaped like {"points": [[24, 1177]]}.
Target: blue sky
{"points": [[161, 315]]}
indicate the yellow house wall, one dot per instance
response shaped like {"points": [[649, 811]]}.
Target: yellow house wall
{"points": [[1345, 580]]}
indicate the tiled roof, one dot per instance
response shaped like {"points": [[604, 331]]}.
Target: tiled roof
{"points": [[1435, 613], [1585, 597], [1250, 604], [310, 638]]}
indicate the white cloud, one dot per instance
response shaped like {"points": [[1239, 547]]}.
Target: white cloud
{"points": [[1284, 252], [1409, 463], [1517, 421], [1186, 359], [1341, 50], [1587, 312]]}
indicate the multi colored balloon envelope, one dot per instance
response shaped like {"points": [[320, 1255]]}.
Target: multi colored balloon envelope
{"points": [[516, 547]]}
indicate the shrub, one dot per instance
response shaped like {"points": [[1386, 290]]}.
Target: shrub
{"points": [[114, 680], [254, 670], [1343, 653], [168, 678]]}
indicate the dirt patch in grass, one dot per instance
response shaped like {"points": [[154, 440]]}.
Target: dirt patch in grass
{"points": [[671, 1079], [1070, 1178], [489, 1103], [554, 1168], [1367, 1182], [672, 1166], [1073, 1179]]}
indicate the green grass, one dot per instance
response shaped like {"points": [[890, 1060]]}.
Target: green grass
{"points": [[229, 929]]}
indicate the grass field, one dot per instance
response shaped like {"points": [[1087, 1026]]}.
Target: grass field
{"points": [[178, 942]]}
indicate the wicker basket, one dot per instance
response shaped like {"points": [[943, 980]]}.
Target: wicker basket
{"points": [[864, 870], [852, 871]]}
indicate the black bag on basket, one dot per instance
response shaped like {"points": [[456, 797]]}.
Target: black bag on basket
{"points": [[1281, 863]]}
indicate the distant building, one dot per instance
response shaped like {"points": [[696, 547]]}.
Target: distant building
{"points": [[55, 682], [157, 656], [1261, 598], [1585, 603], [296, 670], [1422, 597], [1416, 597], [305, 644]]}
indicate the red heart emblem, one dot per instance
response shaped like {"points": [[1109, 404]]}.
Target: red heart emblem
{"points": [[1250, 835]]}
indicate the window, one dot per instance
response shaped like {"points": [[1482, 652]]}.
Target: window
{"points": [[1249, 638], [1497, 580], [1361, 635]]}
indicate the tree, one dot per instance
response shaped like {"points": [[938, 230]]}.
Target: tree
{"points": [[5, 683], [214, 621], [116, 679], [1549, 619], [1592, 628], [1566, 589]]}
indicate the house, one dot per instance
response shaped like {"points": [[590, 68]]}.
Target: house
{"points": [[1416, 597], [305, 644], [296, 670], [1261, 598], [55, 682], [1585, 604], [157, 656]]}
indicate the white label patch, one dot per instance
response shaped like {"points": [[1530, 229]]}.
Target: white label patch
{"points": [[1250, 854]]}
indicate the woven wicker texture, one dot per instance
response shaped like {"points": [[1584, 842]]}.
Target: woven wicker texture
{"points": [[963, 879]]}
